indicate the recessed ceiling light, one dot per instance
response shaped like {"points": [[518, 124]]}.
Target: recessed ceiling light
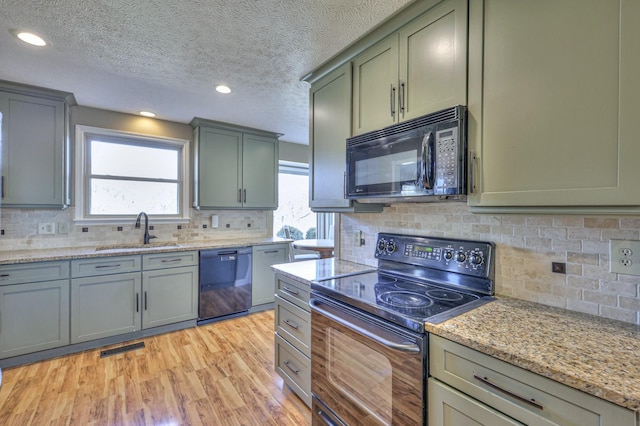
{"points": [[147, 113], [30, 38], [223, 89]]}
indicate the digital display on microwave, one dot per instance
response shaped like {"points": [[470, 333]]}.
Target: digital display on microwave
{"points": [[445, 134], [394, 167]]}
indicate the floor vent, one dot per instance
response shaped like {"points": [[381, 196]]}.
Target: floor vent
{"points": [[121, 349]]}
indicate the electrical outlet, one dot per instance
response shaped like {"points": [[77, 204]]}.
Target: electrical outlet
{"points": [[357, 238], [624, 257], [47, 228], [63, 228]]}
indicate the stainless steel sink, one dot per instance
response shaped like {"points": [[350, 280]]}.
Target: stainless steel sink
{"points": [[137, 247]]}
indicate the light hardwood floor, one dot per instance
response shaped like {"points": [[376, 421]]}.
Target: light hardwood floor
{"points": [[217, 374]]}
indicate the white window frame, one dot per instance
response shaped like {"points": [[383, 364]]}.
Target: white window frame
{"points": [[84, 135]]}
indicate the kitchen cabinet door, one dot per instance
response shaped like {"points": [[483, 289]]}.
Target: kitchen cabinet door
{"points": [[219, 167], [34, 151], [33, 317], [375, 87], [235, 167], [433, 61], [169, 296], [420, 69], [330, 126], [263, 278], [105, 305], [553, 105], [259, 172]]}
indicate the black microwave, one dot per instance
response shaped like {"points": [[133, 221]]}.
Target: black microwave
{"points": [[422, 159]]}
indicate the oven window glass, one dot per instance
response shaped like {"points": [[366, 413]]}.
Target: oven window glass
{"points": [[396, 167], [361, 374]]}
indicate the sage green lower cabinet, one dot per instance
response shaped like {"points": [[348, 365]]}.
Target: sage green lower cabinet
{"points": [[33, 317], [293, 335], [104, 306], [169, 296], [262, 277], [470, 388]]}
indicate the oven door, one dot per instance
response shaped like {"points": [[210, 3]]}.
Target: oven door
{"points": [[364, 371]]}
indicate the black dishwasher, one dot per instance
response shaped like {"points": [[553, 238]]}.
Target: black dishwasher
{"points": [[225, 283]]}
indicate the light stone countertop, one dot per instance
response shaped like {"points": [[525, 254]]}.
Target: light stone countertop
{"points": [[322, 269], [41, 255], [595, 355]]}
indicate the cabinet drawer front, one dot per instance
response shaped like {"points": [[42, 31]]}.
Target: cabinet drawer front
{"points": [[294, 324], [294, 368], [169, 260], [104, 266], [295, 292], [520, 394], [33, 272]]}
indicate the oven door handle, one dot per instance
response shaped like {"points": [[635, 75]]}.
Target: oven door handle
{"points": [[337, 317]]}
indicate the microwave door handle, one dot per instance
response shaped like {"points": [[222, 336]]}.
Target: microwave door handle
{"points": [[427, 161]]}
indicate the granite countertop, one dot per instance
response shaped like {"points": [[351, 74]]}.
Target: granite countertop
{"points": [[27, 256], [592, 354], [317, 270]]}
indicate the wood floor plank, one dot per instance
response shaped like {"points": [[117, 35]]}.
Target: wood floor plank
{"points": [[217, 374]]}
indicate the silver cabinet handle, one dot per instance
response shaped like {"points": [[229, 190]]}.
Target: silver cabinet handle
{"points": [[288, 290], [244, 191], [137, 302], [5, 275], [171, 260], [472, 172], [401, 98], [293, 369], [337, 316], [492, 385], [392, 98], [145, 300], [116, 265], [271, 251], [291, 324]]}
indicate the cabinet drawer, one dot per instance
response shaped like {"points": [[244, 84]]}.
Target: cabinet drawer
{"points": [[169, 260], [520, 394], [33, 272], [293, 291], [104, 266], [294, 368], [294, 324]]}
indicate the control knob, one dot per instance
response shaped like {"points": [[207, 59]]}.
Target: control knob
{"points": [[475, 259], [391, 247], [461, 257], [448, 255], [382, 245]]}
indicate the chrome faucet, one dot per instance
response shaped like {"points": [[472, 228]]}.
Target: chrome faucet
{"points": [[147, 237]]}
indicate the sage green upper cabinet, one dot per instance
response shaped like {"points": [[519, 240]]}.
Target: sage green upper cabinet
{"points": [[553, 105], [330, 126], [420, 69], [35, 147], [234, 167]]}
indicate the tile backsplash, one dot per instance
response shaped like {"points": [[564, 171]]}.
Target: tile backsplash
{"points": [[20, 229], [526, 245]]}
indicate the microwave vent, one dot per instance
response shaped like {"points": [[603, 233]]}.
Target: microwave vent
{"points": [[449, 114]]}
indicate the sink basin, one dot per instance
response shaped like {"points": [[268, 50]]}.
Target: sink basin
{"points": [[140, 246]]}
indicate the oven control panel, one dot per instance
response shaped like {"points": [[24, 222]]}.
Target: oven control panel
{"points": [[461, 256]]}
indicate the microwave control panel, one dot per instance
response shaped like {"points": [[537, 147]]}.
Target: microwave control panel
{"points": [[447, 159]]}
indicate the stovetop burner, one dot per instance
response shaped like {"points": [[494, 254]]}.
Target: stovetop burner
{"points": [[419, 279], [404, 300]]}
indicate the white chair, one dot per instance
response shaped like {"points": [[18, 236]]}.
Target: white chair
{"points": [[296, 255]]}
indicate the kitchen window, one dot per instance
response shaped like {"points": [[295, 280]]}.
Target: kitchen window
{"points": [[121, 174]]}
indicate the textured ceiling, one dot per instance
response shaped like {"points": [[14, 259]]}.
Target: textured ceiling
{"points": [[167, 56]]}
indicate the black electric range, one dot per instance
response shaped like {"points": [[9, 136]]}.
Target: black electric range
{"points": [[419, 279]]}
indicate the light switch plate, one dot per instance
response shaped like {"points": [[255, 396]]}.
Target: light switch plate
{"points": [[47, 228], [624, 257], [357, 238]]}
